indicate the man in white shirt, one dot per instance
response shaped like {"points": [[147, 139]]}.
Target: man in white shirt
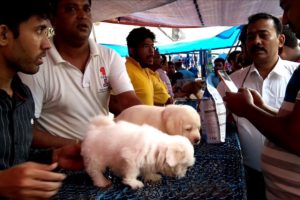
{"points": [[281, 154], [76, 79], [268, 75]]}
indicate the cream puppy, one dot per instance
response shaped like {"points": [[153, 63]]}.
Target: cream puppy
{"points": [[130, 150], [172, 119]]}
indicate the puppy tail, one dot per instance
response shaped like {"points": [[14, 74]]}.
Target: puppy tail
{"points": [[101, 121]]}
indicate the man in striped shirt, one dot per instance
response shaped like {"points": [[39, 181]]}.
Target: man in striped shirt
{"points": [[281, 154], [23, 43]]}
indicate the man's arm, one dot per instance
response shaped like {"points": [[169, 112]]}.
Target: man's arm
{"points": [[120, 102], [42, 139], [284, 131]]}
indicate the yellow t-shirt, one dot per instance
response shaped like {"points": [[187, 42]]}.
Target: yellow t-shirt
{"points": [[141, 81], [147, 84], [161, 94]]}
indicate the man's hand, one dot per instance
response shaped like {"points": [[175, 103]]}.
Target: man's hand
{"points": [[257, 99], [239, 102], [30, 181], [68, 157]]}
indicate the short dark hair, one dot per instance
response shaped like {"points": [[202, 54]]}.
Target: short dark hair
{"points": [[164, 59], [14, 12], [138, 35], [277, 23], [290, 38], [243, 34], [54, 6], [233, 55], [222, 60]]}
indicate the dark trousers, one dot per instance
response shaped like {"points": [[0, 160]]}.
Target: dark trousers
{"points": [[255, 184]]}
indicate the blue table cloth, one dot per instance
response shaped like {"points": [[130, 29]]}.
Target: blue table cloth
{"points": [[218, 174]]}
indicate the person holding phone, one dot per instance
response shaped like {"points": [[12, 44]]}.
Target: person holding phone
{"points": [[269, 76], [281, 153]]}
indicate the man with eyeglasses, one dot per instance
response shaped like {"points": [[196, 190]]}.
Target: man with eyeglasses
{"points": [[24, 41], [147, 84]]}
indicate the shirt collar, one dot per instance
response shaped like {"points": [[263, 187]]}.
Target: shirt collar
{"points": [[133, 61], [277, 69], [21, 91], [56, 57]]}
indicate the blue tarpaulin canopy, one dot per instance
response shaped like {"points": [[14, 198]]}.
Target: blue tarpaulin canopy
{"points": [[223, 40]]}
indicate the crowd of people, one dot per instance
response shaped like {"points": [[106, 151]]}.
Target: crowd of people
{"points": [[51, 87]]}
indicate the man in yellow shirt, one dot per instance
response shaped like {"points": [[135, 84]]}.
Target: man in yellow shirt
{"points": [[147, 84]]}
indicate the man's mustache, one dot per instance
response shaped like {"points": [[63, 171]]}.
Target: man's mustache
{"points": [[257, 48]]}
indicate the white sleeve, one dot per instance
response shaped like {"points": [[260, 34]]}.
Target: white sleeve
{"points": [[221, 88], [36, 89], [119, 79]]}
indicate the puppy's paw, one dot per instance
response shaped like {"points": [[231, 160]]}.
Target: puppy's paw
{"points": [[152, 177], [103, 183], [133, 183]]}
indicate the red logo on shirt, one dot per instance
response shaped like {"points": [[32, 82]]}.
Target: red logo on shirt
{"points": [[102, 71]]}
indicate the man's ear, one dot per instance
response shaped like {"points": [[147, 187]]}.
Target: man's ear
{"points": [[281, 39], [3, 35], [131, 51]]}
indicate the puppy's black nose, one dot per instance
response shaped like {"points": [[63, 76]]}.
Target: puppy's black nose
{"points": [[196, 141]]}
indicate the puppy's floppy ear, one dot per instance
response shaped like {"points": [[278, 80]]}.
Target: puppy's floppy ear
{"points": [[160, 156], [174, 154], [171, 119]]}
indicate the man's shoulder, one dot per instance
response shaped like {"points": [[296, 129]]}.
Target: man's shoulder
{"points": [[102, 48], [21, 87], [187, 74], [98, 49], [132, 64], [290, 65], [240, 74]]}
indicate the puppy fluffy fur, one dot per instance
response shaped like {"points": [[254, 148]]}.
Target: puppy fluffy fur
{"points": [[172, 119], [131, 150]]}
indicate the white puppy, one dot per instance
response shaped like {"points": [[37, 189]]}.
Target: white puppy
{"points": [[172, 119], [130, 150]]}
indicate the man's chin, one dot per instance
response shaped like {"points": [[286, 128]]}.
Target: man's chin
{"points": [[145, 65], [32, 70]]}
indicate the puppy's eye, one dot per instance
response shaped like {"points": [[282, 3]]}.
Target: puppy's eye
{"points": [[189, 129]]}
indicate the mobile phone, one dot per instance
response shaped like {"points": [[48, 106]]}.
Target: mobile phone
{"points": [[227, 81]]}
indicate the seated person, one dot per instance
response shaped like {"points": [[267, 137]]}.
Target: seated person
{"points": [[159, 62], [171, 71], [147, 84], [186, 74], [75, 82], [24, 40]]}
